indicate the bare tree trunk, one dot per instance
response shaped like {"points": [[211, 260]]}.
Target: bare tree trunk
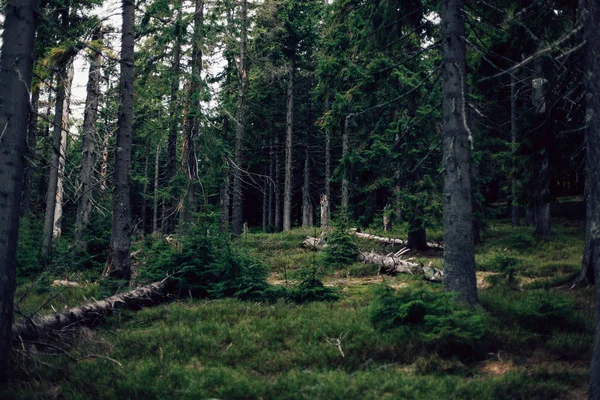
{"points": [[238, 204], [289, 122], [541, 173], [118, 265], [514, 207], [345, 195], [278, 215], [155, 209], [192, 126], [168, 207], [224, 201], [51, 193], [326, 213], [271, 186], [590, 16], [16, 70], [31, 149], [145, 189], [387, 220], [88, 154], [307, 209], [459, 250], [265, 207]]}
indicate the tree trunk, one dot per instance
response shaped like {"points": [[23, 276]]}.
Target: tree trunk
{"points": [[417, 238], [265, 207], [88, 154], [169, 213], [541, 173], [118, 265], [326, 213], [287, 193], [64, 140], [387, 219], [16, 70], [155, 198], [307, 209], [590, 15], [278, 215], [52, 191], [145, 189], [514, 207], [31, 150], [459, 250], [271, 185], [192, 125], [345, 195], [238, 205], [224, 203]]}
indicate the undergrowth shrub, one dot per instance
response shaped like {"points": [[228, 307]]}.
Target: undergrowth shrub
{"points": [[519, 241], [201, 265], [507, 266], [442, 323], [341, 247]]}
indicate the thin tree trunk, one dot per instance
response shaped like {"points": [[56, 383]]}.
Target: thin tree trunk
{"points": [[51, 193], [16, 70], [192, 129], [118, 265], [345, 195], [289, 123], [155, 198], [238, 205], [31, 149], [145, 189], [459, 250], [514, 207], [265, 207], [278, 215], [88, 154], [306, 203], [224, 201], [590, 16], [271, 188], [326, 201], [168, 214]]}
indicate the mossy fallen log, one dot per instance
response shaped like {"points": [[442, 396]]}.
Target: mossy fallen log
{"points": [[88, 314], [395, 241]]}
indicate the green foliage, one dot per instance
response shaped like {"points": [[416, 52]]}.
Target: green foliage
{"points": [[341, 246], [507, 265], [520, 241], [449, 329]]}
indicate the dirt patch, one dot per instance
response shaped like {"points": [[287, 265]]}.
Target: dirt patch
{"points": [[482, 282], [497, 367]]}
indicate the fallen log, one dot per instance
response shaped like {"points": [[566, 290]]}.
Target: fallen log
{"points": [[393, 263], [151, 294], [387, 240], [314, 243]]}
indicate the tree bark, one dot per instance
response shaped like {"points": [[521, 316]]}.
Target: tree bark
{"points": [[16, 70], [271, 184], [192, 125], [88, 154], [590, 16], [224, 201], [541, 135], [326, 213], [58, 127], [345, 195], [238, 204], [145, 188], [287, 192], [307, 208], [459, 250], [118, 265], [62, 160], [155, 197], [278, 215], [514, 207], [31, 149]]}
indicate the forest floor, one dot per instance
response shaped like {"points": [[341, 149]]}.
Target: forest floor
{"points": [[231, 349]]}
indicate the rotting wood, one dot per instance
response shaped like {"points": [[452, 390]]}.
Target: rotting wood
{"points": [[151, 294], [388, 240]]}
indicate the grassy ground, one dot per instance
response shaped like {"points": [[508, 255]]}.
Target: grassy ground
{"points": [[229, 349]]}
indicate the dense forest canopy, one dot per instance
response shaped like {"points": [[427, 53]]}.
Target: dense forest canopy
{"points": [[216, 119]]}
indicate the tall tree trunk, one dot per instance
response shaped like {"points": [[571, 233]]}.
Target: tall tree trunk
{"points": [[192, 125], [16, 70], [145, 189], [224, 201], [590, 16], [168, 214], [278, 208], [271, 210], [541, 135], [155, 197], [88, 154], [31, 149], [289, 130], [238, 205], [459, 250], [58, 127], [64, 139], [105, 139], [118, 265], [265, 206], [345, 183], [307, 209], [326, 201], [514, 207]]}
